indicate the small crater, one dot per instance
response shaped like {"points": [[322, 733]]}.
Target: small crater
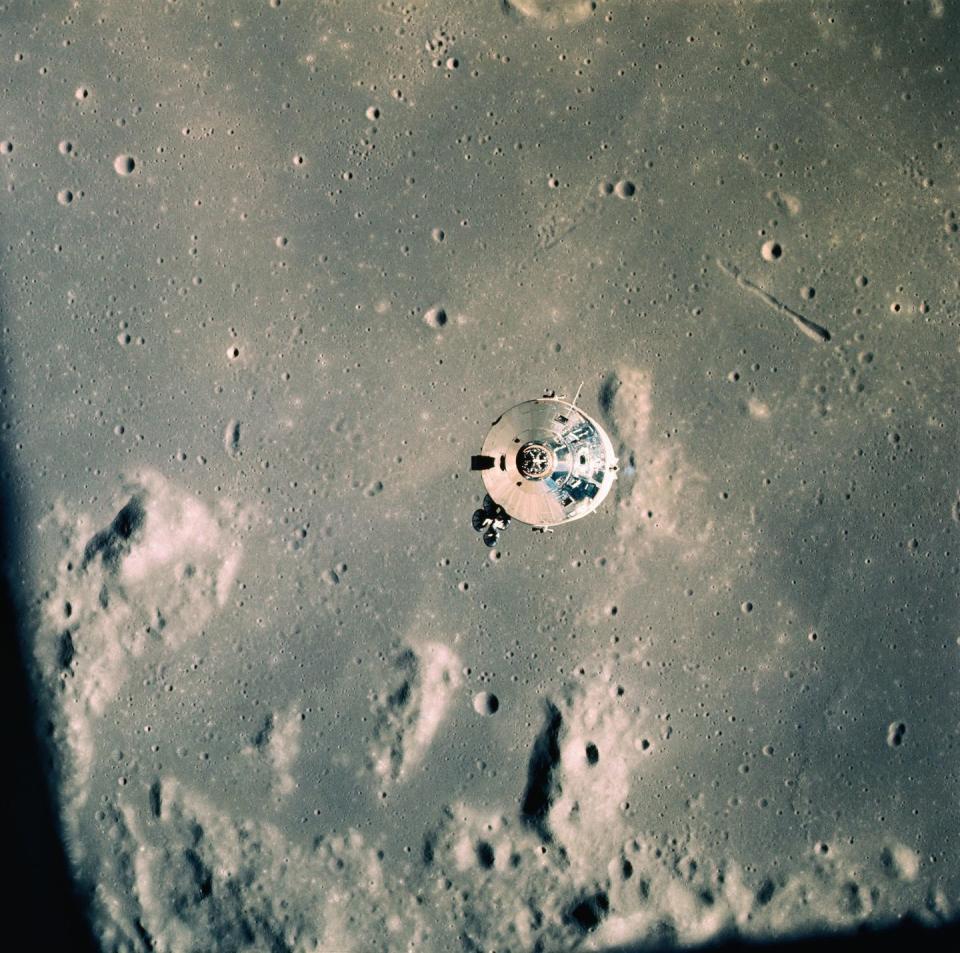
{"points": [[65, 651], [587, 913], [124, 164], [486, 703], [895, 732], [771, 251], [435, 317], [428, 849], [851, 899], [231, 438], [765, 892], [485, 855], [156, 799]]}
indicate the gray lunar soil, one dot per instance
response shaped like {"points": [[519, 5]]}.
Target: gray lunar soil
{"points": [[269, 272]]}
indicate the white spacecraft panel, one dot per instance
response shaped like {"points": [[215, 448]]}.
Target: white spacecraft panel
{"points": [[552, 463]]}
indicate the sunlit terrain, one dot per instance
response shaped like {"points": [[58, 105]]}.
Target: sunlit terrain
{"points": [[268, 273]]}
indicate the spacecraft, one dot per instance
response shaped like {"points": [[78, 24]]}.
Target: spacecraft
{"points": [[544, 462]]}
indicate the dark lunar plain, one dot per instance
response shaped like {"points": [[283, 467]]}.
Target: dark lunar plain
{"points": [[268, 272]]}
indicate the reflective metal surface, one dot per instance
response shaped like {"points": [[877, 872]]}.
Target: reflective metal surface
{"points": [[551, 462]]}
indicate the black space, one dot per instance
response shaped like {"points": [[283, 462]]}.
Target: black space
{"points": [[42, 904]]}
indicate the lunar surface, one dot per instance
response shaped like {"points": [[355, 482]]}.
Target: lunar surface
{"points": [[269, 272]]}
